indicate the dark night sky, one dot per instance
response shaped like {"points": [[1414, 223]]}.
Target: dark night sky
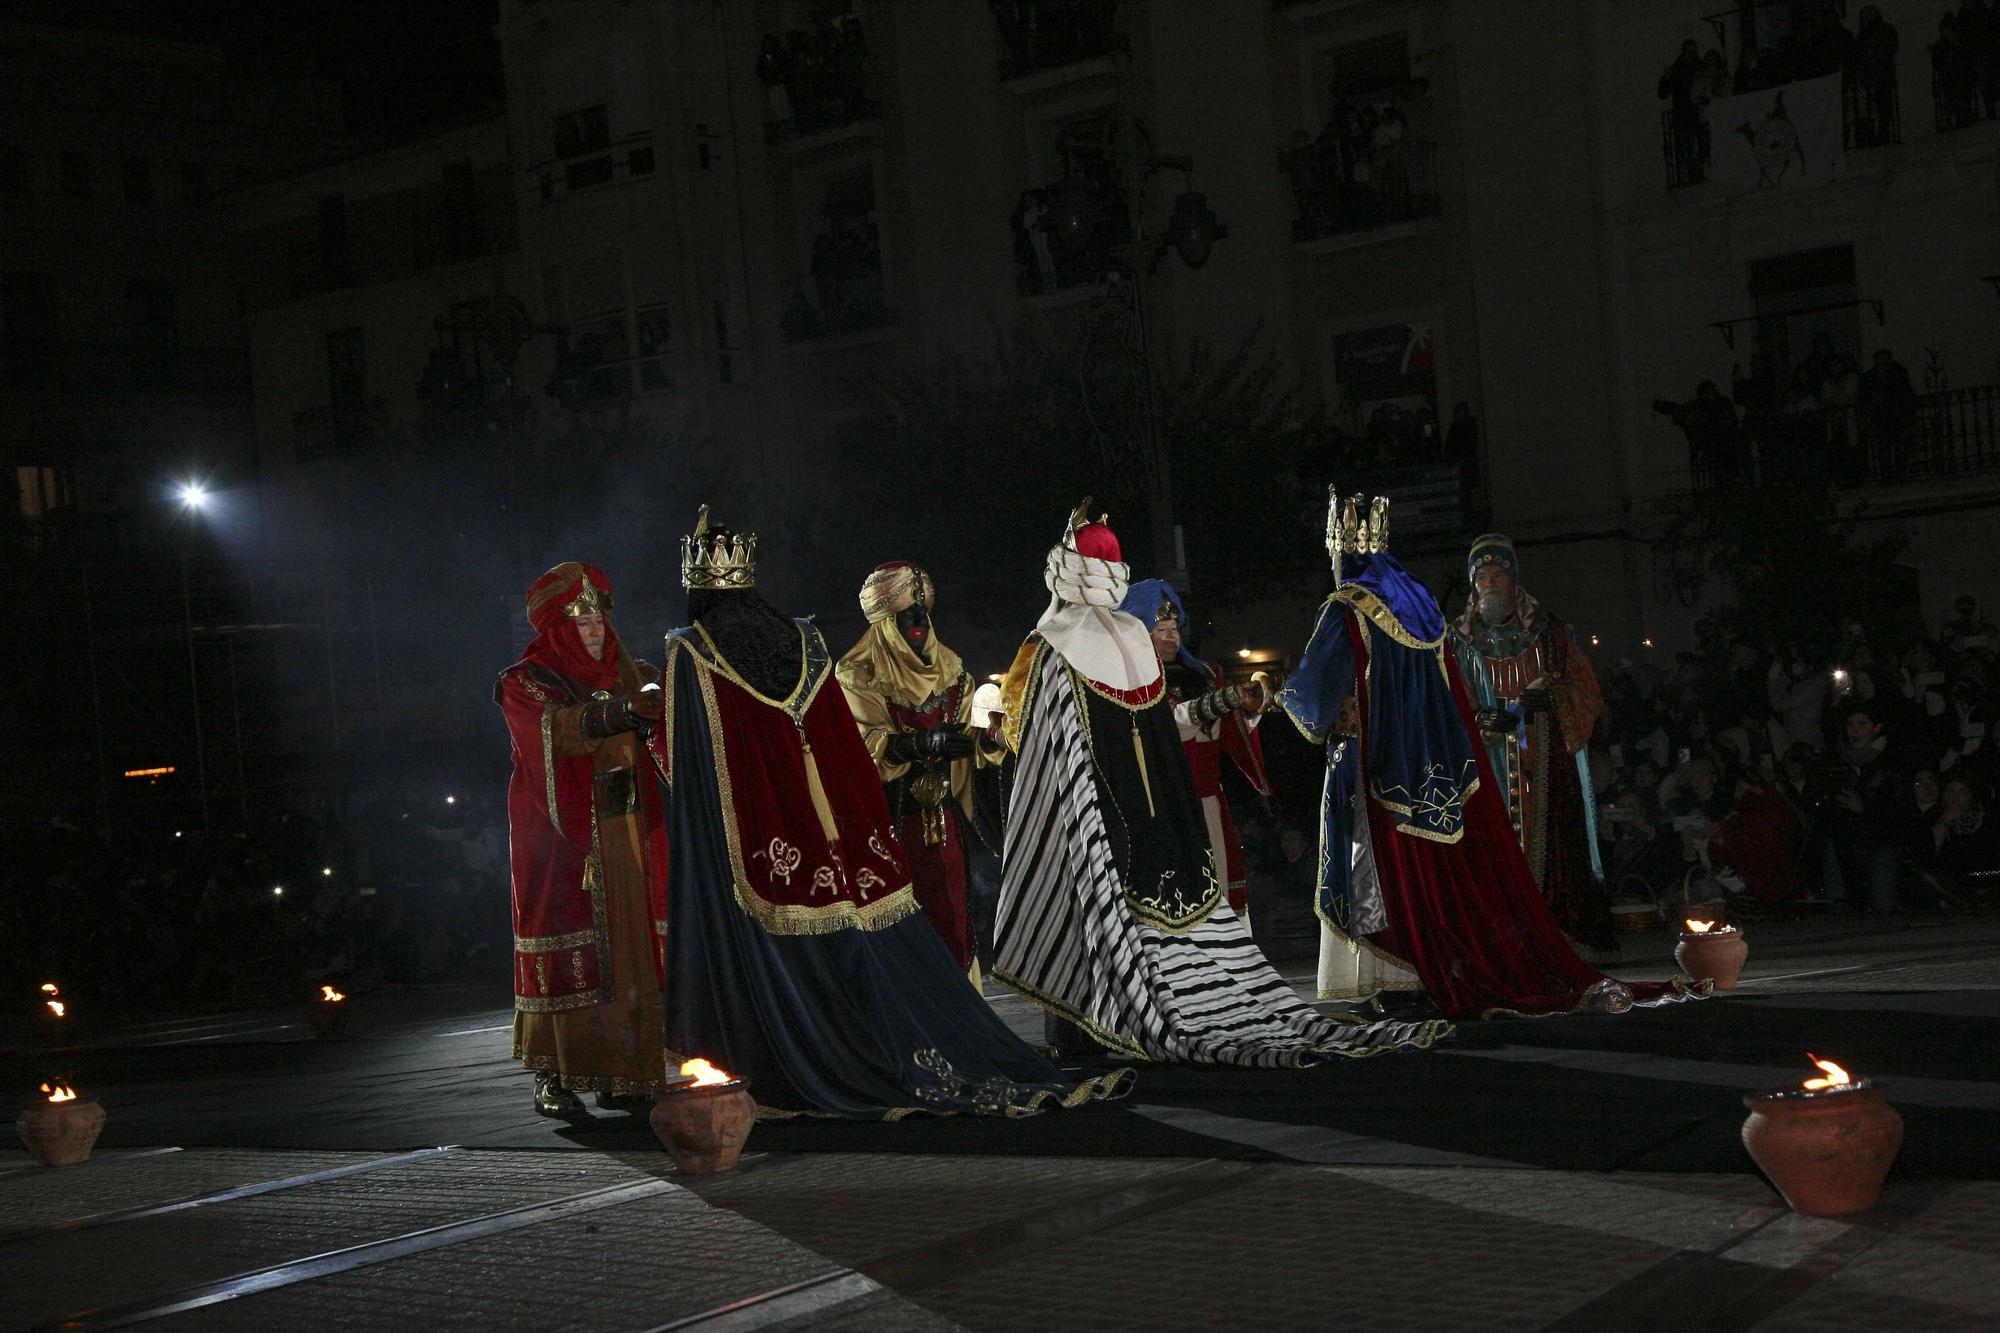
{"points": [[405, 63]]}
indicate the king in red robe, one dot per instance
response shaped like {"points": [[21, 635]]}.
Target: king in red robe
{"points": [[588, 850], [797, 953]]}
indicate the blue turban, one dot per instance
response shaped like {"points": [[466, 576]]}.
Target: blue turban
{"points": [[1143, 599]]}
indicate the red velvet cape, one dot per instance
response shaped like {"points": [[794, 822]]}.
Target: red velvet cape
{"points": [[1466, 916]]}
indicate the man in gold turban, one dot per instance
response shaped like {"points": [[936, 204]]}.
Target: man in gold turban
{"points": [[912, 698]]}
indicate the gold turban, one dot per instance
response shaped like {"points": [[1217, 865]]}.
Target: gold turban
{"points": [[894, 586]]}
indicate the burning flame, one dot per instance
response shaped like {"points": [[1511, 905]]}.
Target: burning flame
{"points": [[1699, 927], [50, 988], [60, 1092], [58, 1008], [1835, 1075], [330, 995], [702, 1072]]}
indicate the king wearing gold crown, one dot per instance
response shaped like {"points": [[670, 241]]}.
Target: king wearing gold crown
{"points": [[1422, 885], [1111, 916], [796, 953]]}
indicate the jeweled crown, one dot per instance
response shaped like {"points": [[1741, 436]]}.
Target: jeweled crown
{"points": [[1166, 613], [1347, 532], [720, 559]]}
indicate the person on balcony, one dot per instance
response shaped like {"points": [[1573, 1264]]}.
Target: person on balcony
{"points": [[1888, 407]]}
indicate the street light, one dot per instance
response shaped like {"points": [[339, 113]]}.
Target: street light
{"points": [[1077, 214], [194, 499]]}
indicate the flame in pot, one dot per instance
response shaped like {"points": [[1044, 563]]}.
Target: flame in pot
{"points": [[1695, 927], [702, 1072], [58, 1008], [330, 996], [59, 1092], [50, 988], [1835, 1075]]}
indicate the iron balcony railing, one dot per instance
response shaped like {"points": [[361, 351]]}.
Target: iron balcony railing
{"points": [[1950, 432], [1338, 191], [1037, 35], [1870, 117]]}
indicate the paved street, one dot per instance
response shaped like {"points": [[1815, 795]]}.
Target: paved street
{"points": [[1567, 1173]]}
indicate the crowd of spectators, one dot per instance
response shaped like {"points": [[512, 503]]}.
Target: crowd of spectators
{"points": [[395, 887], [1369, 165], [1828, 417], [1815, 43], [1965, 65], [846, 280], [815, 81], [1784, 781]]}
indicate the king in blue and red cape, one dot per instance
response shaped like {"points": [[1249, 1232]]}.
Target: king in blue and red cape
{"points": [[1422, 884]]}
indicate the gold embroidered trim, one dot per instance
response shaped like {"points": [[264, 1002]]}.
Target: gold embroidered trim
{"points": [[615, 1085], [1098, 1088], [1378, 612], [553, 943], [1018, 690], [1103, 1036], [555, 1004], [549, 763], [1103, 692], [808, 686], [785, 918]]}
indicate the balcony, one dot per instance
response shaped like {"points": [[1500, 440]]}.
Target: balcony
{"points": [[1037, 36], [818, 83], [1870, 117], [1338, 191], [1947, 433]]}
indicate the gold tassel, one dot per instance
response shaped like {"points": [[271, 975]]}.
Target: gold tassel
{"points": [[1144, 779], [817, 791]]}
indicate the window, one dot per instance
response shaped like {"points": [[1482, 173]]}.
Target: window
{"points": [[582, 131], [136, 176], [13, 170], [1806, 306], [846, 263], [28, 332], [1388, 388], [39, 490], [194, 182], [74, 169], [347, 375], [336, 268]]}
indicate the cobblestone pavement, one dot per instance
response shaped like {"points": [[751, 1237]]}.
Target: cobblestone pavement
{"points": [[1315, 1226]]}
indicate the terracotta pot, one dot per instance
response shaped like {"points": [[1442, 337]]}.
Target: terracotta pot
{"points": [[1716, 955], [60, 1133], [704, 1125], [329, 1017], [1827, 1152]]}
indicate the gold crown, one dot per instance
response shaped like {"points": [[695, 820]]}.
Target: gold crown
{"points": [[1166, 611], [1079, 518], [591, 600], [718, 560], [1348, 532]]}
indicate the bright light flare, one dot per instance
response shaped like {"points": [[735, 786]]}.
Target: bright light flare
{"points": [[59, 1092], [1835, 1075], [1243, 653], [194, 495], [50, 988], [58, 1008], [326, 871], [329, 995], [277, 890], [451, 800], [702, 1072]]}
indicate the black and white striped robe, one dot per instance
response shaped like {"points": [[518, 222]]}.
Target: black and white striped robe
{"points": [[1110, 914]]}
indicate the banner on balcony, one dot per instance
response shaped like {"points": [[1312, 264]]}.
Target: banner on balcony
{"points": [[1778, 138]]}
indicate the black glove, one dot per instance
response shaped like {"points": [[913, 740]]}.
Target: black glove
{"points": [[1496, 720], [1538, 701], [907, 747], [604, 718]]}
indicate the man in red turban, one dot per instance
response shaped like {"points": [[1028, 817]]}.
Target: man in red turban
{"points": [[588, 851]]}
